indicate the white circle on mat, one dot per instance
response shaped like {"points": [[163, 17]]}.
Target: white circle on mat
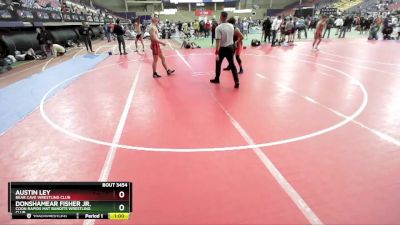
{"points": [[214, 149]]}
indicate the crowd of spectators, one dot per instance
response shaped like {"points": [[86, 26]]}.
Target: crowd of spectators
{"points": [[65, 6], [374, 6]]}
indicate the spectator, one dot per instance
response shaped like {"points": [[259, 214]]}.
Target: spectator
{"points": [[207, 28], [267, 29], [345, 27], [42, 38], [107, 32], [245, 29], [289, 29], [180, 27], [196, 27], [36, 5], [214, 25], [202, 28], [339, 24], [58, 50], [276, 24], [301, 26], [329, 25], [86, 33]]}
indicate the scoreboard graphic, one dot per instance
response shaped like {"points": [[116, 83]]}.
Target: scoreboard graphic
{"points": [[70, 200]]}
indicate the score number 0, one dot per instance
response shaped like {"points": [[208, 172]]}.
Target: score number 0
{"points": [[121, 194]]}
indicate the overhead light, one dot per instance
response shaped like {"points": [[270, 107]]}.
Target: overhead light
{"points": [[231, 9], [186, 1], [169, 12], [243, 11]]}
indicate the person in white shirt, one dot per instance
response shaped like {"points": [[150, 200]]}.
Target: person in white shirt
{"points": [[276, 24], [36, 5], [224, 48], [58, 50], [245, 28], [339, 24]]}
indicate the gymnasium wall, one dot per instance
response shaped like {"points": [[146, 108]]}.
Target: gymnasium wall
{"points": [[114, 5], [25, 39], [276, 4], [142, 9], [186, 16]]}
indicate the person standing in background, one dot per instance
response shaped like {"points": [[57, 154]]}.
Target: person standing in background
{"points": [[102, 32], [185, 30], [202, 28], [275, 28], [289, 29], [179, 27], [329, 25], [301, 26], [207, 28], [214, 25], [86, 33], [107, 32], [267, 29], [282, 37], [245, 28], [224, 48], [138, 31], [119, 31], [350, 22], [196, 27], [345, 27], [338, 24], [42, 38], [111, 30]]}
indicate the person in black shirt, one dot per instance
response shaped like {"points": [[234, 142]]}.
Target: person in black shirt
{"points": [[180, 27], [214, 25], [86, 33], [42, 39], [119, 31], [267, 24], [329, 25], [346, 27]]}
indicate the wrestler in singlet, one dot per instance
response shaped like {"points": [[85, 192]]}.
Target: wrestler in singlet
{"points": [[320, 27], [155, 46], [318, 32], [239, 43], [138, 30]]}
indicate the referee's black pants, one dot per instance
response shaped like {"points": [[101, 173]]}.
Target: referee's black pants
{"points": [[273, 37], [121, 41], [226, 52], [88, 42]]}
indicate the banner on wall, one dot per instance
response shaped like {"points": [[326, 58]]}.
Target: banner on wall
{"points": [[328, 11], [203, 12]]}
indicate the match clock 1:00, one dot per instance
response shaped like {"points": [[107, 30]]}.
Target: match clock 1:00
{"points": [[119, 216]]}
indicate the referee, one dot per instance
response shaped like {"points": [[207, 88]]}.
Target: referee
{"points": [[224, 48], [119, 31]]}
